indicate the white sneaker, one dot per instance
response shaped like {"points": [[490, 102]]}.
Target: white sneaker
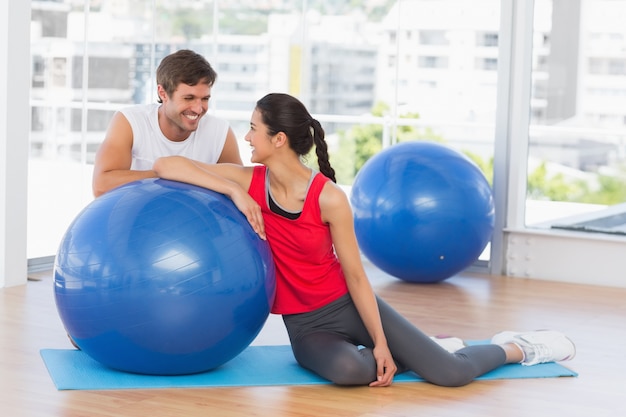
{"points": [[539, 346], [451, 344]]}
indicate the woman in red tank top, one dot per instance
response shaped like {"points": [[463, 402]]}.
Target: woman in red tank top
{"points": [[337, 326]]}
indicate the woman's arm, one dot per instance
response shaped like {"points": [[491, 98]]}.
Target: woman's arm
{"points": [[337, 213], [229, 179]]}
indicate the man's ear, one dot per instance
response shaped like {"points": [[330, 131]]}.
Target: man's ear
{"points": [[161, 92]]}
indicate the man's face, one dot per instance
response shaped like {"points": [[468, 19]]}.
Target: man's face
{"points": [[186, 106]]}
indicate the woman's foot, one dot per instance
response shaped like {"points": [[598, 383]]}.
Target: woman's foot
{"points": [[539, 346], [449, 343]]}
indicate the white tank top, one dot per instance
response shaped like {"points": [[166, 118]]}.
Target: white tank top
{"points": [[149, 143]]}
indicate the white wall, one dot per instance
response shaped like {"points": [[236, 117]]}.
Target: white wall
{"points": [[579, 258], [14, 131]]}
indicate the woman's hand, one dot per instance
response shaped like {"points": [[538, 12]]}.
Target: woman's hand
{"points": [[386, 367], [246, 204]]}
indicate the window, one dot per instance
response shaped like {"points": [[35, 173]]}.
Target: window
{"points": [[488, 39], [432, 62], [341, 61], [577, 163], [433, 37]]}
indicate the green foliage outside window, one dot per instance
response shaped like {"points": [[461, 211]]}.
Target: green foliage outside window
{"points": [[359, 143]]}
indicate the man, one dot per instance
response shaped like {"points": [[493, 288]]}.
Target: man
{"points": [[177, 125]]}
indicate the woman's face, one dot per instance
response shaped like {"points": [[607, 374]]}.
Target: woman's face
{"points": [[258, 138]]}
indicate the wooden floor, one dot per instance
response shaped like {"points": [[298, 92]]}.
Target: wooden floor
{"points": [[470, 306]]}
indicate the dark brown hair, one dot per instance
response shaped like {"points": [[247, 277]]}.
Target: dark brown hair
{"points": [[184, 66], [285, 113]]}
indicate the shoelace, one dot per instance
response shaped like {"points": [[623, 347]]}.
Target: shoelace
{"points": [[539, 353]]}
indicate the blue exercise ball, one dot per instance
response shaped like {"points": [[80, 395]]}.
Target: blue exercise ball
{"points": [[163, 278], [422, 211]]}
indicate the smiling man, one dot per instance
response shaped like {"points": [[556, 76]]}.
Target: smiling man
{"points": [[177, 125]]}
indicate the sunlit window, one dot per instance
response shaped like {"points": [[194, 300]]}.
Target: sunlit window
{"points": [[373, 72], [577, 153]]}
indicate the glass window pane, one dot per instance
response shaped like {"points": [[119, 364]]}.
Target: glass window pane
{"points": [[83, 70], [374, 73], [577, 153]]}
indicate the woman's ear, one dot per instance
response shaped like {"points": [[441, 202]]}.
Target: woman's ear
{"points": [[280, 139]]}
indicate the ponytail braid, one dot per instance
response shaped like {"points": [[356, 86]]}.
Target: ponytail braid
{"points": [[321, 150], [285, 113]]}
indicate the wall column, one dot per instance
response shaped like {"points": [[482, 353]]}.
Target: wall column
{"points": [[14, 134]]}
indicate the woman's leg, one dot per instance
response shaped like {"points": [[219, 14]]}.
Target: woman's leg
{"points": [[326, 341], [415, 350], [333, 357]]}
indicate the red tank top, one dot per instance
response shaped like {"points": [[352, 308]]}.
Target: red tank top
{"points": [[308, 273]]}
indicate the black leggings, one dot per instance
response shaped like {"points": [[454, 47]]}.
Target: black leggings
{"points": [[333, 342]]}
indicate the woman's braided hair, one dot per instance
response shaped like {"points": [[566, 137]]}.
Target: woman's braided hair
{"points": [[285, 113]]}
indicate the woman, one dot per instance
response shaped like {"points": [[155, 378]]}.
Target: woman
{"points": [[337, 326]]}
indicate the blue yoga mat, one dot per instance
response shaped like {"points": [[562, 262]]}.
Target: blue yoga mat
{"points": [[255, 366]]}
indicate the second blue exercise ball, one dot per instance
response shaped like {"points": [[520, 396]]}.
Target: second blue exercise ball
{"points": [[160, 277], [422, 211]]}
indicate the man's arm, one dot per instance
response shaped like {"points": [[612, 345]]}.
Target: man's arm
{"points": [[230, 152], [114, 158]]}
